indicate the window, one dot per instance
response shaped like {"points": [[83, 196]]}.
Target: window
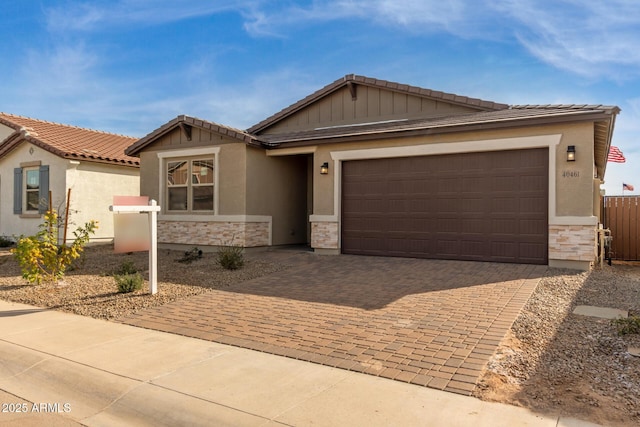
{"points": [[30, 189], [190, 185]]}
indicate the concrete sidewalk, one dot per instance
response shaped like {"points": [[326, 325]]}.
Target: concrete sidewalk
{"points": [[61, 369]]}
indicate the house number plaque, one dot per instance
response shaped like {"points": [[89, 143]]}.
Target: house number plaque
{"points": [[570, 174]]}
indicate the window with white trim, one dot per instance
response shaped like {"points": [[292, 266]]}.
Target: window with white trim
{"points": [[190, 184]]}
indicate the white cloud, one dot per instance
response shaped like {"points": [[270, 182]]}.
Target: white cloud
{"points": [[460, 17], [97, 15], [587, 37]]}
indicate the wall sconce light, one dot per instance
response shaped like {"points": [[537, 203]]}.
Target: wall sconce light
{"points": [[324, 169], [571, 153]]}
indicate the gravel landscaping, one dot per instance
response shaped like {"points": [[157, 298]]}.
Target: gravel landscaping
{"points": [[90, 289], [556, 362], [552, 361]]}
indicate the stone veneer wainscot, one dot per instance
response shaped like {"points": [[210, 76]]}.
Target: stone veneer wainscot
{"points": [[212, 233], [324, 235], [572, 242]]}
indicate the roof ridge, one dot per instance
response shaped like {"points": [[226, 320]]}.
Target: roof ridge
{"points": [[2, 113]]}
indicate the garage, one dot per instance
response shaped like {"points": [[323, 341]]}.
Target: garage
{"points": [[485, 206]]}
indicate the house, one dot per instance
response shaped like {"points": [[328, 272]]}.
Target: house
{"points": [[38, 158], [372, 167]]}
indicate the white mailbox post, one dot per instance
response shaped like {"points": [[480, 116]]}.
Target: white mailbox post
{"points": [[152, 210]]}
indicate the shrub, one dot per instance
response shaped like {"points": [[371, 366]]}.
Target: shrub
{"points": [[5, 242], [41, 258], [230, 257], [629, 325], [127, 267], [129, 282]]}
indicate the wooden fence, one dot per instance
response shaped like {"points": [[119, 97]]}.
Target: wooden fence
{"points": [[622, 217]]}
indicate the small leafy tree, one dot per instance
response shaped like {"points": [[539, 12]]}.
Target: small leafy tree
{"points": [[40, 256]]}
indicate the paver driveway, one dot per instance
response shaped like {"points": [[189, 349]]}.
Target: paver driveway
{"points": [[427, 322]]}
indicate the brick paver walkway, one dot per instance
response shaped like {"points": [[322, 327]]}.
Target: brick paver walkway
{"points": [[427, 322]]}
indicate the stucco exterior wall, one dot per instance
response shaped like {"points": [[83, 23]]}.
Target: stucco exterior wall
{"points": [[277, 187], [574, 180], [93, 186]]}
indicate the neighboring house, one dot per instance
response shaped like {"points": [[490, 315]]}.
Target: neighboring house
{"points": [[366, 166], [38, 158]]}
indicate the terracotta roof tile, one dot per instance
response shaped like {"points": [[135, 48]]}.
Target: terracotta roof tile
{"points": [[69, 141]]}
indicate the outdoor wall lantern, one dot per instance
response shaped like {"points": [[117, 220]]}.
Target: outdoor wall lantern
{"points": [[571, 153], [324, 169]]}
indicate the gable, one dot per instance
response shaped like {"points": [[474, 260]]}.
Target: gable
{"points": [[358, 100], [369, 105], [185, 131], [177, 138]]}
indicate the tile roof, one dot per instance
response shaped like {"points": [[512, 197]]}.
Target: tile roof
{"points": [[520, 115], [479, 104], [67, 141], [191, 121]]}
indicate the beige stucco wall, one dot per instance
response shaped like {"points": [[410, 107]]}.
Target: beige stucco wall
{"points": [[277, 187], [93, 186], [574, 180]]}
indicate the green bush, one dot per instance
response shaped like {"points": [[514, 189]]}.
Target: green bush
{"points": [[5, 242], [127, 267], [128, 282], [629, 325], [230, 257]]}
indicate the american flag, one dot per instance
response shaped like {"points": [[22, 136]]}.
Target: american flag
{"points": [[627, 187], [615, 155]]}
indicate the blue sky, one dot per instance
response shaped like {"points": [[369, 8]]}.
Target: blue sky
{"points": [[129, 66]]}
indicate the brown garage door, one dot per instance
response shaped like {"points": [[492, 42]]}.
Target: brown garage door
{"points": [[489, 206]]}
